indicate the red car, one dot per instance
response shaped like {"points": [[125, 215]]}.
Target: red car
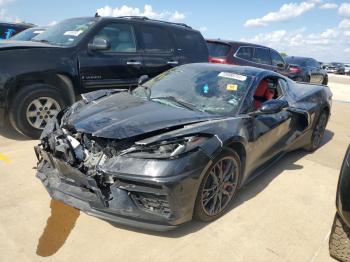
{"points": [[246, 54]]}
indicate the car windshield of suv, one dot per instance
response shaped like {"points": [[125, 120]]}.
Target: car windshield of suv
{"points": [[66, 33], [200, 88], [218, 49]]}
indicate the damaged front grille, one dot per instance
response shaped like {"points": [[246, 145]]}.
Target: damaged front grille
{"points": [[152, 203]]}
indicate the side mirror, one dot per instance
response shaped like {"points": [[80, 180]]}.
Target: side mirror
{"points": [[98, 44], [143, 79], [273, 106], [281, 66]]}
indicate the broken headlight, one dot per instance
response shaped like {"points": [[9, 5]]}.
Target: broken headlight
{"points": [[167, 149]]}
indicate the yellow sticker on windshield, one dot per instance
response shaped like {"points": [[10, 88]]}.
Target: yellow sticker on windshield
{"points": [[231, 87]]}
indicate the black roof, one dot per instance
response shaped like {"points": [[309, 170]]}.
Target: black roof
{"points": [[145, 19]]}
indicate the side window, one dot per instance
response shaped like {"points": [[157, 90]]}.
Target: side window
{"points": [[276, 58], [314, 63], [191, 43], [120, 37], [281, 87], [245, 53], [156, 39], [262, 56]]}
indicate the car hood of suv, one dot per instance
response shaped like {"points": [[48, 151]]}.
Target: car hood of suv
{"points": [[12, 44], [122, 115]]}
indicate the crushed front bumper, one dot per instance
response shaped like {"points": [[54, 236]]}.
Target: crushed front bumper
{"points": [[159, 204]]}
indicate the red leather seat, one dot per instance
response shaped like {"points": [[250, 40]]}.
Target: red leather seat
{"points": [[262, 94]]}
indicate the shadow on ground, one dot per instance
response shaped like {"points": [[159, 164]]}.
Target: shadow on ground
{"points": [[9, 132]]}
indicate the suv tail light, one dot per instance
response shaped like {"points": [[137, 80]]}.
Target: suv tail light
{"points": [[294, 69], [218, 60]]}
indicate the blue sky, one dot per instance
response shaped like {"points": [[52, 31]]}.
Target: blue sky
{"points": [[317, 28]]}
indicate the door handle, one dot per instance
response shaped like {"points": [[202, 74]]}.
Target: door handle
{"points": [[173, 62], [133, 63]]}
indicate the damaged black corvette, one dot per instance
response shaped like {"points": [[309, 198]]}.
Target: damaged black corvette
{"points": [[180, 145]]}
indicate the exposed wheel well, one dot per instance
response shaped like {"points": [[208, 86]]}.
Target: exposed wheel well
{"points": [[61, 82]]}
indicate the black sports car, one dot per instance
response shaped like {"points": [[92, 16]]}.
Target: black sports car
{"points": [[180, 145]]}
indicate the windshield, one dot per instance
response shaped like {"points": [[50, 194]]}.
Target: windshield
{"points": [[198, 87], [28, 34], [218, 49], [66, 33]]}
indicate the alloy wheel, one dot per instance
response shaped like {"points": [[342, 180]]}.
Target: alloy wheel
{"points": [[220, 186], [41, 110]]}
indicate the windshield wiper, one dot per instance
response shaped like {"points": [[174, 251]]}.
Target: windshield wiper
{"points": [[179, 102]]}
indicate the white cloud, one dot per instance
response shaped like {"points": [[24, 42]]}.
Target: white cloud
{"points": [[344, 9], [147, 11], [345, 23], [286, 12], [4, 2], [328, 6], [203, 29], [326, 46], [52, 23]]}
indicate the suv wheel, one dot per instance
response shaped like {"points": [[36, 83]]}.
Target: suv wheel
{"points": [[34, 106]]}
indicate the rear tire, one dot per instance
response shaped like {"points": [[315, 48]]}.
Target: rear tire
{"points": [[33, 106], [216, 191], [318, 132], [339, 240]]}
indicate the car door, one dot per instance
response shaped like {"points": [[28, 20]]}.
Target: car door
{"points": [[261, 58], [278, 63], [119, 66], [158, 47], [269, 132]]}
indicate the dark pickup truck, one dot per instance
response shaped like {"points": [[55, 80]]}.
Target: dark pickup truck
{"points": [[38, 78]]}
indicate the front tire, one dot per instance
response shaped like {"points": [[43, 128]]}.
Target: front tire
{"points": [[33, 106], [318, 132], [219, 187], [339, 240]]}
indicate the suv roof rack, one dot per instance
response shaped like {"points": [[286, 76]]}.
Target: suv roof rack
{"points": [[155, 20]]}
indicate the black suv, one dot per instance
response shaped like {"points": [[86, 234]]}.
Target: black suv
{"points": [[7, 30], [40, 77], [246, 54]]}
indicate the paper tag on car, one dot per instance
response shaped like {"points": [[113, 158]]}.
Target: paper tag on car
{"points": [[73, 33], [38, 32], [231, 87], [233, 76]]}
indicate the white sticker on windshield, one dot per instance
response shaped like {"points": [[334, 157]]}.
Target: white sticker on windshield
{"points": [[233, 76], [38, 32], [73, 33]]}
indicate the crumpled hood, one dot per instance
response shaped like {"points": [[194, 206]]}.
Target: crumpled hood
{"points": [[122, 115], [12, 44]]}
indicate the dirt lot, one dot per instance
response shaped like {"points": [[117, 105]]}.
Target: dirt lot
{"points": [[285, 215]]}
